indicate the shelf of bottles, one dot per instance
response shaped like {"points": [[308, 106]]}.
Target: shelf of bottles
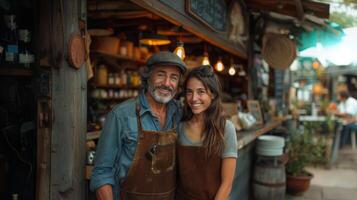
{"points": [[118, 57], [118, 85], [108, 88], [16, 55]]}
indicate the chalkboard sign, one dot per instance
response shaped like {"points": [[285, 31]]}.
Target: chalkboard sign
{"points": [[213, 13]]}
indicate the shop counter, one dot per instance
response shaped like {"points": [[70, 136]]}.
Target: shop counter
{"points": [[247, 136]]}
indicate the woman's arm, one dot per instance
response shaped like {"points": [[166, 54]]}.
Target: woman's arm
{"points": [[227, 176]]}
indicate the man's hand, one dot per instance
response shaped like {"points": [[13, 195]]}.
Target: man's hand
{"points": [[350, 120], [105, 192]]}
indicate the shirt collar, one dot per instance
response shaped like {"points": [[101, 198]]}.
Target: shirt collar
{"points": [[145, 107]]}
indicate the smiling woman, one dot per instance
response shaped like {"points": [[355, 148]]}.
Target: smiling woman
{"points": [[207, 143]]}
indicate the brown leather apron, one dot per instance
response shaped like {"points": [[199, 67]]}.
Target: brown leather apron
{"points": [[199, 177], [152, 175]]}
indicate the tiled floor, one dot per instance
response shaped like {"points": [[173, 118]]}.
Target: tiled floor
{"points": [[337, 183]]}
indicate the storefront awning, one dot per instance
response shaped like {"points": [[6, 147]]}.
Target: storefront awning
{"points": [[327, 35]]}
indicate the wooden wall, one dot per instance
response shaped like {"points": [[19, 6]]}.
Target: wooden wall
{"points": [[62, 160]]}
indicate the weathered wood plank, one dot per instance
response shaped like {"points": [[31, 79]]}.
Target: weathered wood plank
{"points": [[42, 48], [43, 153], [67, 145], [69, 103]]}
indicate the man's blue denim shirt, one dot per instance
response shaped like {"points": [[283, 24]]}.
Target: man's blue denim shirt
{"points": [[117, 143]]}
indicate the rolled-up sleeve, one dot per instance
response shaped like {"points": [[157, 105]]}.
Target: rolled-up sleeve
{"points": [[108, 149], [230, 141]]}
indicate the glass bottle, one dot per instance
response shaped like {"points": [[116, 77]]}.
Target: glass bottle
{"points": [[11, 50], [25, 55]]}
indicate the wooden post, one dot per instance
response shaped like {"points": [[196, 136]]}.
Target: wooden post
{"points": [[250, 52], [63, 176]]}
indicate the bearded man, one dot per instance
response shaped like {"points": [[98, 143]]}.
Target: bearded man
{"points": [[135, 156]]}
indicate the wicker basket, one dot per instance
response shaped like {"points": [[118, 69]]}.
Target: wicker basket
{"points": [[278, 50]]}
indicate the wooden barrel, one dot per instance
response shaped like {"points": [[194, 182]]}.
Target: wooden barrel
{"points": [[269, 181]]}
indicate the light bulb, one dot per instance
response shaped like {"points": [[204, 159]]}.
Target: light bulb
{"points": [[205, 60], [219, 65], [232, 70], [180, 51]]}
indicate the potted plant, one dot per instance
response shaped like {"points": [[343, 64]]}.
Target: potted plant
{"points": [[302, 151]]}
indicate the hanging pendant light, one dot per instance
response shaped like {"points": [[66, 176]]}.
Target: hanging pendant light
{"points": [[232, 68], [180, 50], [152, 39], [205, 59], [219, 65]]}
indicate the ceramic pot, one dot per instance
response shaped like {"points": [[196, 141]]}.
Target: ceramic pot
{"points": [[297, 185]]}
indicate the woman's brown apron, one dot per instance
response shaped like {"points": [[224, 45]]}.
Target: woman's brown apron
{"points": [[152, 175], [199, 177]]}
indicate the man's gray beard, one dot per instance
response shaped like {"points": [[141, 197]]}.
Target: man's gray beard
{"points": [[158, 98]]}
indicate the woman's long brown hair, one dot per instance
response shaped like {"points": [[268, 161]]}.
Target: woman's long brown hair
{"points": [[214, 122]]}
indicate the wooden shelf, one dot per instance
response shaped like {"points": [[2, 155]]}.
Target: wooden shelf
{"points": [[112, 99], [118, 57], [115, 86], [15, 72], [93, 135]]}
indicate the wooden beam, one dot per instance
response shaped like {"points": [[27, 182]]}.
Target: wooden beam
{"points": [[288, 7], [321, 10], [120, 15], [299, 9], [111, 5], [192, 26]]}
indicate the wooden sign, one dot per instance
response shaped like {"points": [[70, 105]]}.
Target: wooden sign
{"points": [[254, 109], [213, 13]]}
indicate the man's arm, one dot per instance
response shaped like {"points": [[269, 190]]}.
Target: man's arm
{"points": [[107, 150], [105, 192]]}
